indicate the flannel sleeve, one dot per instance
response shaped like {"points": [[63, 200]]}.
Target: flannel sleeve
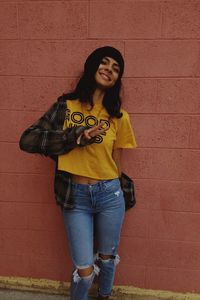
{"points": [[43, 136]]}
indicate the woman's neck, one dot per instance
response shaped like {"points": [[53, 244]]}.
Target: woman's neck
{"points": [[98, 95]]}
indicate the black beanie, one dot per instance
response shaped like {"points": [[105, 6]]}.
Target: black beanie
{"points": [[94, 59]]}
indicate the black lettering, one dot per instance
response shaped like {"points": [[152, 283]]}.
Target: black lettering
{"points": [[107, 123], [91, 121], [98, 139], [77, 117]]}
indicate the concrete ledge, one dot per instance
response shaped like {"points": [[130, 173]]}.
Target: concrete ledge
{"points": [[62, 288], [132, 293], [33, 284]]}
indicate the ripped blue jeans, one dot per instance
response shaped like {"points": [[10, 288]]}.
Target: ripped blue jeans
{"points": [[99, 212]]}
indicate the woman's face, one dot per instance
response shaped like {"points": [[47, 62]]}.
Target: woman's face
{"points": [[107, 73]]}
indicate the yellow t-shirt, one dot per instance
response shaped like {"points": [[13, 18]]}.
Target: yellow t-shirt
{"points": [[95, 160]]}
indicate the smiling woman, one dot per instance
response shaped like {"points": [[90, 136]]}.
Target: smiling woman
{"points": [[85, 131], [107, 73]]}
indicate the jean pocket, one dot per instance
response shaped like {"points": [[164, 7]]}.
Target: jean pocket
{"points": [[77, 193], [112, 185]]}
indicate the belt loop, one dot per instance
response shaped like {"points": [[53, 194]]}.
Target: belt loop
{"points": [[104, 184]]}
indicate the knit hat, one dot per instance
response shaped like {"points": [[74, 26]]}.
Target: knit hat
{"points": [[94, 59]]}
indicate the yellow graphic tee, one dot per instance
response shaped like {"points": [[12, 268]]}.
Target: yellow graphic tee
{"points": [[95, 160]]}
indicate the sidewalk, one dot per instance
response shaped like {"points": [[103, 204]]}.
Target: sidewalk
{"points": [[6, 294], [125, 294], [24, 295]]}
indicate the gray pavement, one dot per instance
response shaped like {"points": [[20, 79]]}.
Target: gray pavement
{"points": [[24, 295], [6, 294]]}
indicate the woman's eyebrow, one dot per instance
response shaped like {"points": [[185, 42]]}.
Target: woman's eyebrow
{"points": [[107, 58]]}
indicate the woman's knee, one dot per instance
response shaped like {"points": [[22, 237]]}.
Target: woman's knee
{"points": [[84, 272], [106, 257]]}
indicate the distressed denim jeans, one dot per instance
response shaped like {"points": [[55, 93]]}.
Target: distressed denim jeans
{"points": [[99, 212]]}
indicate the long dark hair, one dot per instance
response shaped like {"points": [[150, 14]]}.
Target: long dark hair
{"points": [[87, 84], [85, 89]]}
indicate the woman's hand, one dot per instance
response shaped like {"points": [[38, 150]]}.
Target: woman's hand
{"points": [[93, 131]]}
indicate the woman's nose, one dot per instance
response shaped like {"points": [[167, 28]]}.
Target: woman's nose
{"points": [[109, 68]]}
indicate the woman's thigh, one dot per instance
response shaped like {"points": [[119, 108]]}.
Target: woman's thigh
{"points": [[79, 227], [108, 221]]}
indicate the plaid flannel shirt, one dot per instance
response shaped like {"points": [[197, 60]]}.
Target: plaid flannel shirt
{"points": [[46, 136]]}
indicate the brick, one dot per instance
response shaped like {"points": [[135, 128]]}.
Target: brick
{"points": [[161, 95], [173, 279], [8, 26], [128, 20], [27, 188], [47, 58], [20, 93], [162, 130], [161, 58], [44, 217], [165, 164], [11, 89], [15, 265], [40, 93], [17, 161], [140, 193], [135, 249], [12, 216], [195, 132], [139, 95], [37, 216], [178, 96], [49, 244], [53, 20], [181, 19], [14, 128], [39, 243], [23, 93], [53, 269], [183, 226], [136, 223], [32, 266], [15, 242], [130, 275], [10, 57], [168, 195], [173, 254], [39, 58]]}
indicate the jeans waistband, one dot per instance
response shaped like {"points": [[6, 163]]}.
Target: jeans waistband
{"points": [[95, 186]]}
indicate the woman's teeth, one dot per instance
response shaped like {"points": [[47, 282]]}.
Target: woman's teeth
{"points": [[105, 77]]}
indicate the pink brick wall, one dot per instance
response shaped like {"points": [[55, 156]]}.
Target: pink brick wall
{"points": [[43, 47]]}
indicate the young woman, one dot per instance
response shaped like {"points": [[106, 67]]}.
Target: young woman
{"points": [[84, 131]]}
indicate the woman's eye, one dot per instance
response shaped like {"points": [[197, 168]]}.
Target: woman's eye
{"points": [[116, 70]]}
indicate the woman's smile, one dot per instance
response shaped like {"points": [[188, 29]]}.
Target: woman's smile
{"points": [[107, 73], [105, 76]]}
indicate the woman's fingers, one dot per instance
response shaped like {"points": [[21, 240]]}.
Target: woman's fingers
{"points": [[99, 129], [93, 131], [87, 134]]}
